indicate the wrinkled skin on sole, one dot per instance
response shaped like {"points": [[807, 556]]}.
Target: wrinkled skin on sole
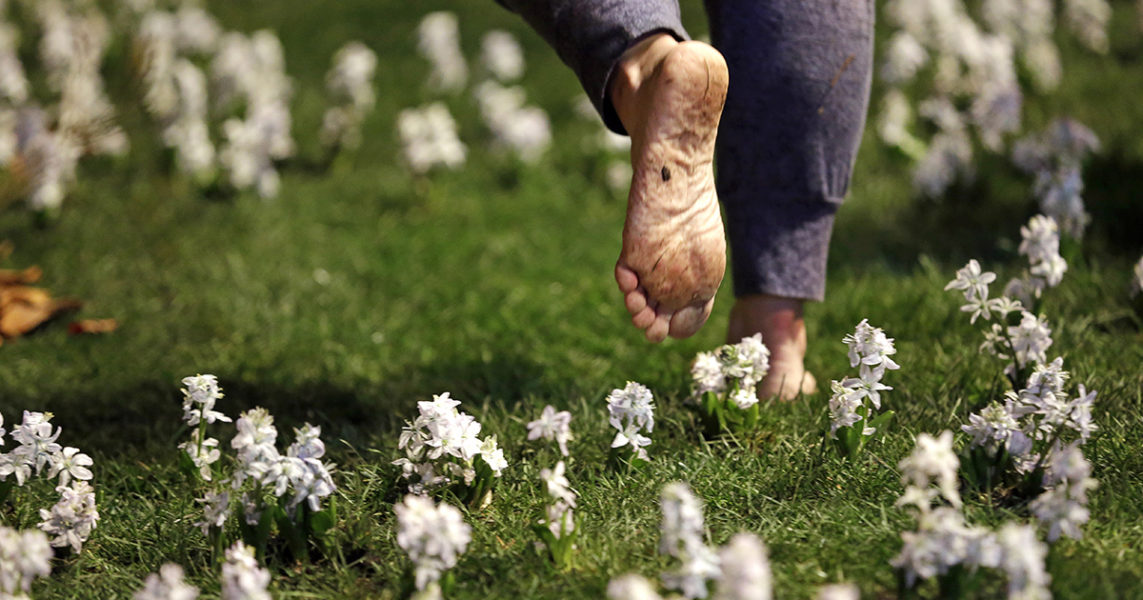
{"points": [[674, 250]]}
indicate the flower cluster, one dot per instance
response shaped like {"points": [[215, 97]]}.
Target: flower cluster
{"points": [[350, 87], [71, 520], [1025, 341], [969, 66], [200, 393], [631, 411], [242, 578], [251, 69], [1062, 507], [554, 426], [733, 369], [682, 538], [740, 569], [501, 56], [438, 40], [1026, 435], [428, 138], [745, 574], [443, 447], [175, 87], [264, 485], [434, 536], [557, 529], [725, 381], [24, 556], [1055, 158], [944, 546], [852, 422], [167, 584], [1040, 242], [524, 130]]}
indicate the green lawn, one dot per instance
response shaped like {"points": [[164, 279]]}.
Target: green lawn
{"points": [[494, 283]]}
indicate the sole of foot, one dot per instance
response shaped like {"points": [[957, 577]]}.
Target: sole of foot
{"points": [[669, 95]]}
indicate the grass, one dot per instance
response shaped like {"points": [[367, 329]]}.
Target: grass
{"points": [[494, 283]]}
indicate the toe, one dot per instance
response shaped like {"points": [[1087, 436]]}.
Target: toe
{"points": [[636, 301], [644, 318], [657, 332], [626, 278], [687, 321]]}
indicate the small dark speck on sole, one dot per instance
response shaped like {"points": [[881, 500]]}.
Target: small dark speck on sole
{"points": [[666, 173]]}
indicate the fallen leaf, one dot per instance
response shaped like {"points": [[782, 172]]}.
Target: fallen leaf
{"points": [[92, 326]]}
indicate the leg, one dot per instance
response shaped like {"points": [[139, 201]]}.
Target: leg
{"points": [[794, 117], [668, 95]]}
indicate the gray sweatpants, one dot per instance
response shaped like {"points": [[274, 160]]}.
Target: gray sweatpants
{"points": [[800, 72]]}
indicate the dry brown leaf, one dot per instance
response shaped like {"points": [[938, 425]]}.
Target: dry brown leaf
{"points": [[20, 276], [19, 318], [20, 294], [92, 326]]}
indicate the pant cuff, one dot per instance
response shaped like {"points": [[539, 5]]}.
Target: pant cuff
{"points": [[781, 247]]}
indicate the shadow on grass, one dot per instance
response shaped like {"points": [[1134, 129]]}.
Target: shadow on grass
{"points": [[142, 418]]}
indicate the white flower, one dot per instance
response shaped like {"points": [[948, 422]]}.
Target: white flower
{"points": [[870, 348], [932, 461], [1041, 238], [682, 538], [434, 536], [493, 455], [745, 569], [438, 40], [991, 427], [972, 281], [72, 519], [202, 452], [428, 137], [1030, 339], [744, 398], [500, 53], [242, 578], [350, 86], [631, 587], [167, 584], [632, 405], [215, 508], [200, 394], [37, 445], [557, 484], [70, 463], [941, 542], [707, 373], [24, 556], [450, 439], [1022, 558], [637, 441], [905, 56], [1063, 505], [843, 404], [839, 591], [552, 425], [525, 130]]}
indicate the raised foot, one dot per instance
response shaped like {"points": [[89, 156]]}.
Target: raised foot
{"points": [[669, 95]]}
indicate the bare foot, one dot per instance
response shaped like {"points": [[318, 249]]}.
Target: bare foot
{"points": [[669, 96], [784, 333]]}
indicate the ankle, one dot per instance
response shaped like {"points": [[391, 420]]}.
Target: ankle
{"points": [[636, 66]]}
